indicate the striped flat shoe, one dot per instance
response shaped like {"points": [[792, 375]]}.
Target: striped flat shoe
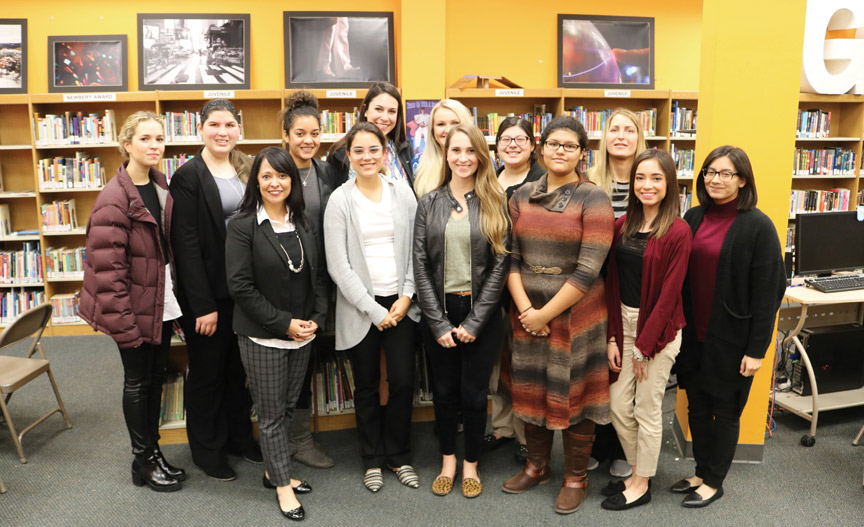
{"points": [[407, 476], [373, 480]]}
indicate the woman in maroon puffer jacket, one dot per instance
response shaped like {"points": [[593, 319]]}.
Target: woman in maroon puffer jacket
{"points": [[128, 290]]}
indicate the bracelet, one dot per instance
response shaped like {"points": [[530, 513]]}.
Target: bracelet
{"points": [[526, 309], [637, 355]]}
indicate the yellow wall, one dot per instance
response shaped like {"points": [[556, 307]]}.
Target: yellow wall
{"points": [[519, 40], [101, 17]]}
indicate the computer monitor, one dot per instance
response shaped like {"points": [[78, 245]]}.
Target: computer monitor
{"points": [[828, 241]]}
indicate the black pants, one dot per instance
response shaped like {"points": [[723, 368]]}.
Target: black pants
{"points": [[606, 444], [218, 403], [385, 431], [462, 372], [714, 425], [143, 377]]}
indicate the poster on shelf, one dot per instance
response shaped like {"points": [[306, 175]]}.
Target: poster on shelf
{"points": [[605, 52], [193, 51], [87, 63], [13, 55], [338, 49], [417, 126]]}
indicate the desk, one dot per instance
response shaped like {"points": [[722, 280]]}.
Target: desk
{"points": [[818, 309]]}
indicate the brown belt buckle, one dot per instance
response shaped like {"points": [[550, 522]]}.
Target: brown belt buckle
{"points": [[539, 269]]}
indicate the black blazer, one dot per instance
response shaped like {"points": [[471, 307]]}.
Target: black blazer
{"points": [[338, 160], [328, 180], [198, 239], [258, 278], [750, 284]]}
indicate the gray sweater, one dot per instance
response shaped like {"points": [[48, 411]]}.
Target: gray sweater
{"points": [[356, 308]]}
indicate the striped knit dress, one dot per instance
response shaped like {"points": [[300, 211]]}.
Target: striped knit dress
{"points": [[561, 379]]}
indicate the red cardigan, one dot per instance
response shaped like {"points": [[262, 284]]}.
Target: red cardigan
{"points": [[664, 268]]}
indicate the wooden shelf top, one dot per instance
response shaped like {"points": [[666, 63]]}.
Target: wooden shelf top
{"points": [[811, 176], [27, 284], [684, 95], [818, 97], [77, 146], [15, 147], [198, 95], [56, 190], [22, 238], [131, 96], [73, 232], [66, 278], [12, 194], [827, 139], [14, 98], [635, 93], [490, 93]]}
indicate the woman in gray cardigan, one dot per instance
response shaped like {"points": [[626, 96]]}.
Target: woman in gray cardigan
{"points": [[369, 223]]}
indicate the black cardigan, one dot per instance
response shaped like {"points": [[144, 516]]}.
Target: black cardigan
{"points": [[258, 277], [750, 285]]}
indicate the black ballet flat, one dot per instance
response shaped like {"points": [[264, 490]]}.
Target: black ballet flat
{"points": [[302, 488], [613, 487], [694, 500], [296, 515], [619, 503], [683, 487]]}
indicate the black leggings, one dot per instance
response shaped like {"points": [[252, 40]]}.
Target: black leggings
{"points": [[143, 376], [462, 371]]}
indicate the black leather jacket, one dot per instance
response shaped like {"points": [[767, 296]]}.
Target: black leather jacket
{"points": [[488, 270]]}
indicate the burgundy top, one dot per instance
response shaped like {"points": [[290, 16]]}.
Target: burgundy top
{"points": [[702, 273]]}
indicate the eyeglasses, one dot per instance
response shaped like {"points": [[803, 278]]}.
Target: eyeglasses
{"points": [[724, 175], [373, 151], [555, 145], [506, 140]]}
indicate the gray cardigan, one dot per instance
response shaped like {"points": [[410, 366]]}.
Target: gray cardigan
{"points": [[356, 308]]}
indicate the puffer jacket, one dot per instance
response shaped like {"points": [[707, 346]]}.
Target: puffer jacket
{"points": [[124, 278], [488, 270]]}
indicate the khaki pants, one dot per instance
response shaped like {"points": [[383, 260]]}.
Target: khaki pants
{"points": [[637, 406], [504, 421]]}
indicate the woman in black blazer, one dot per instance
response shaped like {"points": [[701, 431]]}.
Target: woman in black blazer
{"points": [[301, 133], [735, 282], [279, 289], [207, 190]]}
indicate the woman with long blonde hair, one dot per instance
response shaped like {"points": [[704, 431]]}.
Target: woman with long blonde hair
{"points": [[446, 114], [458, 290], [622, 140]]}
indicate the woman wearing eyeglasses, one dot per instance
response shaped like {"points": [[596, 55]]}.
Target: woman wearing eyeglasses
{"points": [[370, 222], [515, 144], [562, 230], [733, 290]]}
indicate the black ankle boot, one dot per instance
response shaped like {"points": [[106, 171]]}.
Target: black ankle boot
{"points": [[146, 471], [177, 473]]}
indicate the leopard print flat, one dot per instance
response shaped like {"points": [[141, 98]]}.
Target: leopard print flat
{"points": [[442, 485], [471, 488]]}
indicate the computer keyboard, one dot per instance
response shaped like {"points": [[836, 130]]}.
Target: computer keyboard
{"points": [[834, 284]]}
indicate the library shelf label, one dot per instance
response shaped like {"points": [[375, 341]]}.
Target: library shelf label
{"points": [[509, 93], [341, 94], [219, 94], [616, 93], [87, 97]]}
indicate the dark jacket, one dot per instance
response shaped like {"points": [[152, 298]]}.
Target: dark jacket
{"points": [[340, 163], [258, 278], [488, 270], [661, 314], [124, 276], [534, 174], [750, 285]]}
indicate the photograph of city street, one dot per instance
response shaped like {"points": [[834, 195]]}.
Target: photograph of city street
{"points": [[13, 67]]}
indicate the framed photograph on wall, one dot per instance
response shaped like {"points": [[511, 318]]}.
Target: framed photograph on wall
{"points": [[13, 55], [89, 63], [193, 51], [605, 52], [338, 49]]}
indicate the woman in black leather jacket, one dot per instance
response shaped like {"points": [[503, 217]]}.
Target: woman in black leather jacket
{"points": [[460, 260]]}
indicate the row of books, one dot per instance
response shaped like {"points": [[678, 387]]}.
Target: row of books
{"points": [[685, 197], [818, 200], [860, 197], [338, 122], [825, 162], [813, 124], [65, 262], [595, 122], [173, 408], [15, 302], [5, 220], [183, 126], [23, 266], [490, 122], [685, 160], [59, 216], [80, 171], [683, 121], [75, 128], [588, 159], [169, 165], [335, 384], [65, 309]]}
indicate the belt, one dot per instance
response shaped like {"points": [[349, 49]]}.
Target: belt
{"points": [[539, 269], [460, 293]]}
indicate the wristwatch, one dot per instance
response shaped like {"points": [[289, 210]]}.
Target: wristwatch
{"points": [[637, 355]]}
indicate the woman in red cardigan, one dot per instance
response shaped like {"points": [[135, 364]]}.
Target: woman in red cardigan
{"points": [[647, 267]]}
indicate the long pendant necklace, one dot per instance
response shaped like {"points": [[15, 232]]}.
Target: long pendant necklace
{"points": [[302, 255]]}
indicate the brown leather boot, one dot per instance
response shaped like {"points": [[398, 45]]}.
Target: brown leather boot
{"points": [[578, 440], [536, 472]]}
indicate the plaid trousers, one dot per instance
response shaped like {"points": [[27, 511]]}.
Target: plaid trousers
{"points": [[275, 379]]}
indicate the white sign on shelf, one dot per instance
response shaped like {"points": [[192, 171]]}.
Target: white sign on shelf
{"points": [[341, 94], [89, 97], [837, 65], [509, 93], [616, 93], [219, 94]]}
